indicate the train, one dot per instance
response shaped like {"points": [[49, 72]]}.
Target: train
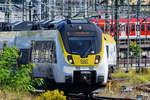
{"points": [[71, 51], [137, 27]]}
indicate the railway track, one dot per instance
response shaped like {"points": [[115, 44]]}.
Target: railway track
{"points": [[87, 92], [89, 96], [81, 96]]}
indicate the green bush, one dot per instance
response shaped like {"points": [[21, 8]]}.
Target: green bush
{"points": [[13, 76], [135, 50]]}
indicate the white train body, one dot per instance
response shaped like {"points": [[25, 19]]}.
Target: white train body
{"points": [[46, 49]]}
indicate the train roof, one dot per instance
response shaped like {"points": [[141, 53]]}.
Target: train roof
{"points": [[123, 20], [78, 21]]}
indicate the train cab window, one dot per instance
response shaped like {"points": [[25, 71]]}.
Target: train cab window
{"points": [[132, 28], [142, 27], [137, 27], [148, 27], [86, 44]]}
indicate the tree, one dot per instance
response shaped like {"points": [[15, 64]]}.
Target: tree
{"points": [[135, 50]]}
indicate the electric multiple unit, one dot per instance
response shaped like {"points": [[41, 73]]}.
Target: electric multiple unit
{"points": [[74, 53], [136, 27]]}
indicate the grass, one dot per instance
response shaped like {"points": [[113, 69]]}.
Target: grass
{"points": [[130, 79], [48, 95], [133, 77], [13, 95]]}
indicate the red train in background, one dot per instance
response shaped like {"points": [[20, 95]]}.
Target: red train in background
{"points": [[137, 27]]}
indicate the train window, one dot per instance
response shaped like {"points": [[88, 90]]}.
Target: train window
{"points": [[137, 27], [107, 49], [102, 28], [43, 52], [5, 43], [148, 27], [132, 28], [122, 27], [142, 27], [111, 28], [24, 56], [119, 27], [86, 45], [127, 28]]}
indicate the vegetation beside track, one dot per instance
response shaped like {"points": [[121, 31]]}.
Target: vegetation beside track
{"points": [[124, 84], [15, 79], [133, 78], [14, 95], [13, 76], [51, 95]]}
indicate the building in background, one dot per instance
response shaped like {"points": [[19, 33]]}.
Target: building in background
{"points": [[37, 10]]}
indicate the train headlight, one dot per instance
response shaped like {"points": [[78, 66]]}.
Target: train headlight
{"points": [[97, 59], [70, 59]]}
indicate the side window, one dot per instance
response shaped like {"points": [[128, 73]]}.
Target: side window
{"points": [[142, 27], [148, 27], [132, 28], [119, 27], [111, 28], [24, 56], [43, 51], [107, 49], [127, 28], [122, 27], [5, 43], [102, 28]]}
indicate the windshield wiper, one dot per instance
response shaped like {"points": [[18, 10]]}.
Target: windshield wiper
{"points": [[85, 54]]}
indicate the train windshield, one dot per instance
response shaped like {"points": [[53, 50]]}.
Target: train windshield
{"points": [[82, 45], [81, 38]]}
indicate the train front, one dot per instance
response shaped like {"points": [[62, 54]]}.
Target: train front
{"points": [[83, 51]]}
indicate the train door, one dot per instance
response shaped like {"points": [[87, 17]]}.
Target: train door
{"points": [[101, 26], [131, 29], [148, 29], [122, 33], [126, 29], [142, 29]]}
